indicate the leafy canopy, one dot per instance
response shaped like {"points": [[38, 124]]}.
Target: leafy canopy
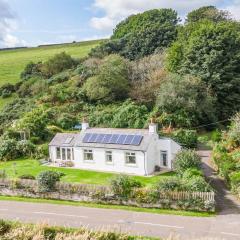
{"points": [[211, 51]]}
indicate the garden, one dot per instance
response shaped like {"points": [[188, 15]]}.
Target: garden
{"points": [[184, 190]]}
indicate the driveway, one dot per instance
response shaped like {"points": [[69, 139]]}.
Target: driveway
{"points": [[226, 202]]}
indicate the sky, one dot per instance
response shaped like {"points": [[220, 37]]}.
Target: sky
{"points": [[37, 22]]}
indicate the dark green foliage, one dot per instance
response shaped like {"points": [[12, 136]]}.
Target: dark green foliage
{"points": [[113, 46], [47, 180], [145, 32], [59, 78], [57, 64], [35, 122], [111, 83], [186, 159], [11, 149], [211, 51], [185, 101], [27, 176], [66, 121], [185, 137], [6, 90], [130, 115], [122, 186], [30, 70], [192, 172], [208, 12]]}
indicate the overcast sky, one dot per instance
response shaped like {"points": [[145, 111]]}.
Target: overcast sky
{"points": [[34, 22]]}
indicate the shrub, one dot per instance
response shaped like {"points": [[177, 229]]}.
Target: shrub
{"points": [[27, 176], [187, 138], [169, 184], [235, 181], [186, 159], [47, 180], [8, 149], [67, 121], [122, 186], [191, 172], [197, 184]]}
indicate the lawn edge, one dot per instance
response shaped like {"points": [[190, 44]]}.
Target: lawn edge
{"points": [[108, 206]]}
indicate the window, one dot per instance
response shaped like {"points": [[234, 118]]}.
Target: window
{"points": [[130, 158], [63, 154], [69, 154], [164, 161], [88, 155], [109, 158], [58, 153], [72, 154]]}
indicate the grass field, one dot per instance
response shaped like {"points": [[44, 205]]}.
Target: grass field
{"points": [[28, 166], [12, 62]]}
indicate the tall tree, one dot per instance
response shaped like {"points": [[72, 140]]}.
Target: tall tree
{"points": [[211, 51], [207, 12]]}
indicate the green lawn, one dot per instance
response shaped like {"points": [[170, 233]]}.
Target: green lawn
{"points": [[12, 62], [29, 166]]}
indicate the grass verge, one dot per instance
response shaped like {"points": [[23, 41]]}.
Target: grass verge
{"points": [[105, 206]]}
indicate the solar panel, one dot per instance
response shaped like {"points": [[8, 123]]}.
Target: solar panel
{"points": [[121, 139], [86, 137], [107, 138], [112, 139], [128, 139], [93, 137], [137, 140]]}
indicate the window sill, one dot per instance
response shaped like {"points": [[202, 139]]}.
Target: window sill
{"points": [[109, 163], [88, 161], [131, 165]]}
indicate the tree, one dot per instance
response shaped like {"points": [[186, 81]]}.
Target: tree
{"points": [[207, 12], [211, 51], [141, 35], [111, 83], [185, 101]]}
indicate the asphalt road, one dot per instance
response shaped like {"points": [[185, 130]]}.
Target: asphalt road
{"points": [[145, 224]]}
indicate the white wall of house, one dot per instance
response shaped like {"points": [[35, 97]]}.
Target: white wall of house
{"points": [[118, 164], [145, 161]]}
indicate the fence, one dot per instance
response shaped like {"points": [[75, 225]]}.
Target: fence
{"points": [[86, 189]]}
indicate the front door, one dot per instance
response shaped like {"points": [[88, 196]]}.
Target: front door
{"points": [[163, 159]]}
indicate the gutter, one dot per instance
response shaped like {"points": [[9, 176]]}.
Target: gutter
{"points": [[144, 153]]}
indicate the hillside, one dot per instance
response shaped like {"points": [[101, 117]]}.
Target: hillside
{"points": [[12, 62]]}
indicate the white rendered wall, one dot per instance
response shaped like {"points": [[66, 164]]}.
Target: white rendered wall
{"points": [[118, 165]]}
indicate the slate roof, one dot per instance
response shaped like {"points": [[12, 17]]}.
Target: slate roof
{"points": [[61, 139], [142, 147]]}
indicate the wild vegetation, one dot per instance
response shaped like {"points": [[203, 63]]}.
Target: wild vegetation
{"points": [[184, 76]]}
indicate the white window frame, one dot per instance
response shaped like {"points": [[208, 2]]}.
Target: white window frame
{"points": [[60, 155], [88, 151], [162, 160], [130, 155], [65, 154], [108, 154]]}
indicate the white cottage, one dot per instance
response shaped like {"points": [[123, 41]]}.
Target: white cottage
{"points": [[130, 151]]}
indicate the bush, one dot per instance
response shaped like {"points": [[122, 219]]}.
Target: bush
{"points": [[235, 181], [186, 159], [27, 176], [66, 121], [187, 138], [170, 184], [8, 149], [197, 184], [122, 186], [47, 180], [192, 172]]}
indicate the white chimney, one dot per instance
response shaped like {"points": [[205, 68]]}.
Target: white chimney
{"points": [[153, 127], [85, 124]]}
